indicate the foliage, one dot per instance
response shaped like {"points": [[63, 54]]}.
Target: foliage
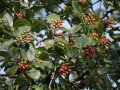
{"points": [[39, 52]]}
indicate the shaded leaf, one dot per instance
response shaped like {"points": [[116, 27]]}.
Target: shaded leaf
{"points": [[100, 28], [20, 80], [44, 56], [21, 22], [48, 43], [36, 87], [35, 74], [5, 54], [74, 29], [31, 52], [102, 70], [9, 19], [81, 42], [7, 44], [11, 72], [49, 64], [77, 8], [21, 29]]}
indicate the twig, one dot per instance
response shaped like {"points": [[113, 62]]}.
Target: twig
{"points": [[27, 3], [92, 4], [17, 87], [69, 82], [38, 41], [53, 75], [9, 8]]}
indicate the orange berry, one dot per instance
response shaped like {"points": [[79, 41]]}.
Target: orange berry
{"points": [[26, 66], [28, 60]]}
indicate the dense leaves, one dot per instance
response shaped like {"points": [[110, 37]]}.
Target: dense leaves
{"points": [[59, 45]]}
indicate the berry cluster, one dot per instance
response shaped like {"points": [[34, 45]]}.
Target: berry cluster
{"points": [[58, 34], [73, 41], [56, 24], [83, 1], [24, 65], [88, 52], [110, 21], [25, 37], [105, 51], [94, 36], [19, 15], [104, 41], [90, 18], [65, 69]]}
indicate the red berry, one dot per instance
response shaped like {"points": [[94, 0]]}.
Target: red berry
{"points": [[111, 22], [23, 68], [110, 25], [28, 60], [66, 72], [63, 74], [97, 35], [57, 34], [29, 66], [68, 67]]}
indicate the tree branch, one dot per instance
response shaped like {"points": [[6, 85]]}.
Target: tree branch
{"points": [[9, 8], [53, 75]]}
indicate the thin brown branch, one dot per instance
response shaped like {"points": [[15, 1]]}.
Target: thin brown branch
{"points": [[69, 82], [53, 75], [9, 8]]}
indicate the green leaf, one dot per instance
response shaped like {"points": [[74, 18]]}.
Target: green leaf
{"points": [[102, 70], [113, 55], [64, 29], [31, 52], [49, 64], [38, 25], [77, 8], [21, 29], [36, 87], [81, 42], [100, 28], [44, 56], [41, 49], [53, 17], [63, 41], [21, 22], [73, 53], [20, 80], [35, 74], [74, 29], [9, 19], [92, 41], [38, 65], [116, 36], [23, 54], [5, 54], [11, 87], [11, 72], [48, 43], [7, 44]]}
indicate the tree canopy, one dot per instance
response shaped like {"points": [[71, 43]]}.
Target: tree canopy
{"points": [[59, 44]]}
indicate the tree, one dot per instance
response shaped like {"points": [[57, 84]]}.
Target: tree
{"points": [[38, 52]]}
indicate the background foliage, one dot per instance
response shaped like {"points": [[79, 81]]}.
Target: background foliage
{"points": [[38, 51]]}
